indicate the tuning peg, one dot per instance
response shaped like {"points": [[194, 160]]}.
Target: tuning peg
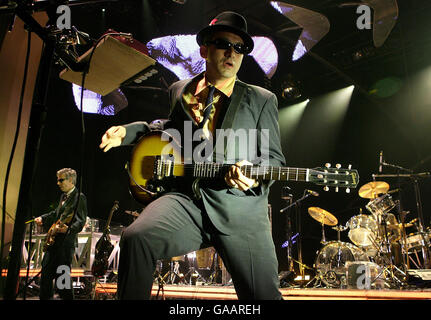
{"points": [[338, 166], [347, 190], [336, 189], [325, 188], [327, 165], [349, 166]]}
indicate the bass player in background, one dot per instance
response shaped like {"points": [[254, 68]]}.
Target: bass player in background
{"points": [[62, 235], [232, 213]]}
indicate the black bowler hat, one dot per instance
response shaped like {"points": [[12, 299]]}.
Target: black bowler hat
{"points": [[228, 21]]}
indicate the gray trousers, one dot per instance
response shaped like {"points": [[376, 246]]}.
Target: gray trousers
{"points": [[174, 225]]}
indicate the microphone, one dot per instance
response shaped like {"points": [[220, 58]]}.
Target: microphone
{"points": [[380, 161], [313, 193]]}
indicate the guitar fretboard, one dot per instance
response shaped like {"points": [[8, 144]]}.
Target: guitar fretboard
{"points": [[216, 170]]}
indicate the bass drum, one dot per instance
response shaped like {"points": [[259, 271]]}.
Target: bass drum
{"points": [[331, 262]]}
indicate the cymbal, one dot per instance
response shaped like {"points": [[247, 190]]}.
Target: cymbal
{"points": [[372, 189], [322, 216]]}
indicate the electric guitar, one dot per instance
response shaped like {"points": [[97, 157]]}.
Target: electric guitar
{"points": [[52, 232], [154, 162], [103, 248]]}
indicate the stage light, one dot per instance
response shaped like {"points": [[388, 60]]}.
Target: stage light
{"points": [[291, 92], [290, 88], [180, 54], [108, 105], [386, 87]]}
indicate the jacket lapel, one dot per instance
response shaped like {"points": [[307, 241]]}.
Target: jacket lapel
{"points": [[178, 97]]}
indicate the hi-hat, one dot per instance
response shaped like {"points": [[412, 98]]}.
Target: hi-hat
{"points": [[372, 189], [322, 216]]}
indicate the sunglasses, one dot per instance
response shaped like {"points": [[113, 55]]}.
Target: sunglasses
{"points": [[225, 45], [60, 180]]}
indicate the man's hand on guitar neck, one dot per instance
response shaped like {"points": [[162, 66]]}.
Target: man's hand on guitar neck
{"points": [[112, 137], [236, 179]]}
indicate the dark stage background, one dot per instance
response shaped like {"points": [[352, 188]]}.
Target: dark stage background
{"points": [[396, 123]]}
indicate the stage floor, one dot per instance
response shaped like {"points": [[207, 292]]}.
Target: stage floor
{"points": [[220, 292], [228, 293]]}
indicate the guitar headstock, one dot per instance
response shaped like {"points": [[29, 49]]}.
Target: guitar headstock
{"points": [[337, 177], [116, 205]]}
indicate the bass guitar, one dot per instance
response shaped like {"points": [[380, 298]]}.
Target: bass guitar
{"points": [[155, 162], [103, 248]]}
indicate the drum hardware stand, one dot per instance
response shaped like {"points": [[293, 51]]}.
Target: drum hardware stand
{"points": [[297, 205], [285, 195], [160, 282], [414, 177], [192, 271], [217, 270], [303, 266], [317, 280], [173, 272], [323, 241], [339, 229], [417, 258], [390, 266], [404, 248]]}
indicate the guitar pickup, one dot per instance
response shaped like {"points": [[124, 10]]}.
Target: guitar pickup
{"points": [[163, 167]]}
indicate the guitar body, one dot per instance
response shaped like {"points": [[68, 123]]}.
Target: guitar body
{"points": [[143, 169], [51, 234], [103, 248]]}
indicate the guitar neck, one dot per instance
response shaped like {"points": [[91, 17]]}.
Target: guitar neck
{"points": [[115, 207], [216, 170]]}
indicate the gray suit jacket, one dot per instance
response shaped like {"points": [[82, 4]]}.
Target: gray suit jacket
{"points": [[251, 112]]}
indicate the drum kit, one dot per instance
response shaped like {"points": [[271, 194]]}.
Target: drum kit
{"points": [[380, 243], [203, 266]]}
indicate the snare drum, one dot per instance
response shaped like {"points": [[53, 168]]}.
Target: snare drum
{"points": [[380, 205], [363, 230]]}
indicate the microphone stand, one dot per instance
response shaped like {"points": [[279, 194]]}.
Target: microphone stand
{"points": [[286, 196], [297, 205]]}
